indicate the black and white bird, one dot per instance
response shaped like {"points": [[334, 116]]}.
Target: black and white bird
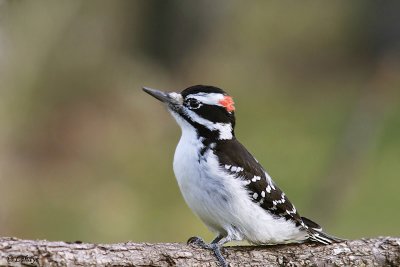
{"points": [[223, 184]]}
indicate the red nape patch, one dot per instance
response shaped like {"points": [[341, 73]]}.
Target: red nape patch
{"points": [[227, 103]]}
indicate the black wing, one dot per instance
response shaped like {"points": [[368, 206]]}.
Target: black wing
{"points": [[236, 160]]}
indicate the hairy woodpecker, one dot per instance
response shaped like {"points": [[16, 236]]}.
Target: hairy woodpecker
{"points": [[222, 182]]}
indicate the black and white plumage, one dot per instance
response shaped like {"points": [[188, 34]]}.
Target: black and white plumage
{"points": [[222, 182]]}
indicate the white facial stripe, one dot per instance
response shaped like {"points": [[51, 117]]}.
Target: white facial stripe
{"points": [[224, 129], [209, 99]]}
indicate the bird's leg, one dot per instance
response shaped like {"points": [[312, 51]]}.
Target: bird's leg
{"points": [[217, 239], [215, 246], [217, 252]]}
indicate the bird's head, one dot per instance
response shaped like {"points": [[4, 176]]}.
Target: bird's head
{"points": [[207, 109]]}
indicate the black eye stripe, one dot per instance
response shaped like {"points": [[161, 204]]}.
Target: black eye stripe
{"points": [[213, 113]]}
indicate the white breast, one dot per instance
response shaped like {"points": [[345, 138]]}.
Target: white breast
{"points": [[220, 200], [193, 181]]}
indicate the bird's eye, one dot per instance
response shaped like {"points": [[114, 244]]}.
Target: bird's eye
{"points": [[193, 103]]}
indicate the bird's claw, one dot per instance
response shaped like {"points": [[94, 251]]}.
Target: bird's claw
{"points": [[198, 241]]}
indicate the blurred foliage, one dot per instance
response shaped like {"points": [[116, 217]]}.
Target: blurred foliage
{"points": [[86, 155]]}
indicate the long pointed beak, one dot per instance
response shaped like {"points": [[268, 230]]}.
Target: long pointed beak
{"points": [[162, 96]]}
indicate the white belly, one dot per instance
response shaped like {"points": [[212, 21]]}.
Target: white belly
{"points": [[221, 201], [202, 192]]}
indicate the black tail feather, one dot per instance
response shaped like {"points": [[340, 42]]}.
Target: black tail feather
{"points": [[323, 238], [311, 224], [317, 235]]}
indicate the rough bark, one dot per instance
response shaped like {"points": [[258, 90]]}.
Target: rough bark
{"points": [[382, 251]]}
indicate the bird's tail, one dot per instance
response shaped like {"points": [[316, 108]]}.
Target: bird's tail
{"points": [[323, 238], [316, 234]]}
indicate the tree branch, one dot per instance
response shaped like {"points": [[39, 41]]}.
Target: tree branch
{"points": [[382, 251]]}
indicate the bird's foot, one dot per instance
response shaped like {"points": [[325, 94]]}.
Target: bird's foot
{"points": [[198, 241]]}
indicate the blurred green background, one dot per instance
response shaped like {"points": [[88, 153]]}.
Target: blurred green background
{"points": [[86, 155]]}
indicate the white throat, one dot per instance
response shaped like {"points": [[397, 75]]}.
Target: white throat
{"points": [[224, 129]]}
